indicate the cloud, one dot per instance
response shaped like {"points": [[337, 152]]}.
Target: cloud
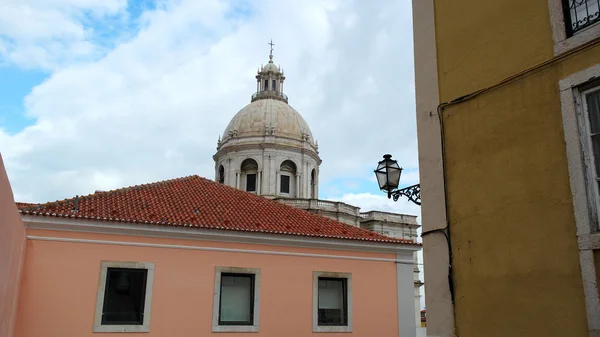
{"points": [[152, 106], [48, 33]]}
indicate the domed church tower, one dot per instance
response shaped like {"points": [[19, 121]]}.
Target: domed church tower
{"points": [[268, 148]]}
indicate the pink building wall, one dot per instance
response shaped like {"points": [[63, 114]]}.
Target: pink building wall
{"points": [[12, 251], [60, 284]]}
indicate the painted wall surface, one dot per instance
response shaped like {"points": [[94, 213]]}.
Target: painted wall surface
{"points": [[515, 255], [60, 284], [12, 251]]}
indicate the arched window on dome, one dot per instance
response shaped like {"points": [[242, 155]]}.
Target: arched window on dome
{"points": [[221, 177], [274, 85], [313, 184], [287, 178], [266, 85], [249, 170]]}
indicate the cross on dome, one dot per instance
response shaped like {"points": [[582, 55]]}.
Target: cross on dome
{"points": [[271, 52]]}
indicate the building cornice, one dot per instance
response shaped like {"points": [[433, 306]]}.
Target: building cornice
{"points": [[261, 143], [167, 232]]}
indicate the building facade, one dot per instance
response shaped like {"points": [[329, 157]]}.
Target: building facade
{"points": [[268, 149], [189, 256], [508, 103]]}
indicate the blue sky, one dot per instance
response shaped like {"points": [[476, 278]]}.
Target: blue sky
{"points": [[15, 84]]}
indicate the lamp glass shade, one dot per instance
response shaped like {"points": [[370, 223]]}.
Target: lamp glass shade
{"points": [[388, 173]]}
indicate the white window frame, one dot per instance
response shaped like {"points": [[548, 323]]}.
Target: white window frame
{"points": [[329, 328], [217, 296], [575, 126], [145, 327], [559, 31]]}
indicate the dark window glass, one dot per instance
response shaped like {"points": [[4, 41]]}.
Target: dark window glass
{"points": [[124, 297], [274, 87], [236, 303], [285, 184], [266, 84], [333, 299], [221, 174], [251, 182]]}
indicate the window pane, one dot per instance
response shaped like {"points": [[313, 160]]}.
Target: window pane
{"points": [[236, 299], [593, 107], [332, 300], [124, 296], [285, 184], [596, 147], [251, 182]]}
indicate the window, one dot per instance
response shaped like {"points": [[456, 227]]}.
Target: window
{"points": [[332, 302], [285, 184], [580, 14], [251, 182], [274, 85], [590, 101], [124, 297], [288, 178], [266, 85], [236, 301], [221, 174], [237, 298]]}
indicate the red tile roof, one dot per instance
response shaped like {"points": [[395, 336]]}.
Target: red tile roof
{"points": [[197, 202]]}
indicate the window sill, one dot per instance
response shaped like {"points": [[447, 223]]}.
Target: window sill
{"points": [[235, 328], [121, 328], [578, 39], [332, 329]]}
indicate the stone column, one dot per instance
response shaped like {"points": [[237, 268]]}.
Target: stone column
{"points": [[317, 183], [298, 185], [306, 180], [277, 180], [237, 179], [258, 183]]}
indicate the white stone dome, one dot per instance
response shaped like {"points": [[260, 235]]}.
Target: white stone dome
{"points": [[268, 117]]}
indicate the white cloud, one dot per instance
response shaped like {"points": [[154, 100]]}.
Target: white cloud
{"points": [[380, 202], [153, 107], [49, 33]]}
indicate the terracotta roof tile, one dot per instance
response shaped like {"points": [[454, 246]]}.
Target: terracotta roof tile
{"points": [[194, 201]]}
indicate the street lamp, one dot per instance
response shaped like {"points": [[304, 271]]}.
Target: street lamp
{"points": [[388, 177]]}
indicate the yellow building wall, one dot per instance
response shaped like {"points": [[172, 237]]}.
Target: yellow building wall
{"points": [[515, 258]]}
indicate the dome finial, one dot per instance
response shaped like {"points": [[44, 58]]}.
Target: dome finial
{"points": [[271, 52]]}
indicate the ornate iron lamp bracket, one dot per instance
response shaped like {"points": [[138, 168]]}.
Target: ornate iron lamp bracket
{"points": [[413, 193]]}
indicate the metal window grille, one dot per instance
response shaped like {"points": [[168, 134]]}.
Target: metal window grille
{"points": [[580, 14]]}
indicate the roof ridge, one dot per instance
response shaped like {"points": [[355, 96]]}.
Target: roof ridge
{"points": [[34, 206], [146, 185]]}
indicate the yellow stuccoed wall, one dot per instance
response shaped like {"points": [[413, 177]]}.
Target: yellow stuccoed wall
{"points": [[514, 246]]}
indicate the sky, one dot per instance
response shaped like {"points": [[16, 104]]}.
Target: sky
{"points": [[102, 94]]}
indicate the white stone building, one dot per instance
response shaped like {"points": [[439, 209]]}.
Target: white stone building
{"points": [[268, 149]]}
